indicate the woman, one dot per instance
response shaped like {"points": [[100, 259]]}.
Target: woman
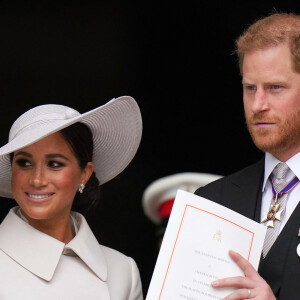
{"points": [[53, 163]]}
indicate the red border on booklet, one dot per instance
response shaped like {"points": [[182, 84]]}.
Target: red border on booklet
{"points": [[179, 232]]}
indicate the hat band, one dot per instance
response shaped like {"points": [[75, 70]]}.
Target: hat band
{"points": [[166, 208]]}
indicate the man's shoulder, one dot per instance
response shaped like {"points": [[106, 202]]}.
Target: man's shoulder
{"points": [[251, 173], [247, 172]]}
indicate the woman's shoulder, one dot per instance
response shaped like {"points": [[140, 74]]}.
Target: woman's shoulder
{"points": [[123, 275], [116, 259]]}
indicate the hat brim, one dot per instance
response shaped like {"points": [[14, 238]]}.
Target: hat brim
{"points": [[117, 131]]}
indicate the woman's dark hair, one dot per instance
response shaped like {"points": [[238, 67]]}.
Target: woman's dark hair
{"points": [[80, 139]]}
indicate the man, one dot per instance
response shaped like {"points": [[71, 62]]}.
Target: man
{"points": [[269, 59]]}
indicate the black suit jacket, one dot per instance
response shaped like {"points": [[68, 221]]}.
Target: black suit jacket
{"points": [[242, 192]]}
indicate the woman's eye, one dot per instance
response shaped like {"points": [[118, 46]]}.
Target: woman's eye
{"points": [[24, 163], [55, 164]]}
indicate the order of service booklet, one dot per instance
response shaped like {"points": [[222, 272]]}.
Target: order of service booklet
{"points": [[194, 251]]}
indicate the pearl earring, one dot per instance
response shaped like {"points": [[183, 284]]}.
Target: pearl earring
{"points": [[81, 188]]}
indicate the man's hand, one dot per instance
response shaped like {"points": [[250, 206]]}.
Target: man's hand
{"points": [[252, 286]]}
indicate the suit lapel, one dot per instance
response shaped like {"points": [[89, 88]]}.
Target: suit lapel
{"points": [[238, 189], [247, 188]]}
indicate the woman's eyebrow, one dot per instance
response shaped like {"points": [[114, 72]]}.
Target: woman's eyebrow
{"points": [[56, 155], [23, 153], [51, 155]]}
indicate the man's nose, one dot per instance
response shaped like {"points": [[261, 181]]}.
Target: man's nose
{"points": [[260, 102]]}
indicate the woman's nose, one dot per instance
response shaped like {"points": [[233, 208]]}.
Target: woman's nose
{"points": [[38, 177]]}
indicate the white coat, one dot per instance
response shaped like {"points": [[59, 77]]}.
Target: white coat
{"points": [[33, 267]]}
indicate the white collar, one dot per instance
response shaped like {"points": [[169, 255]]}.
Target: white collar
{"points": [[40, 253], [271, 162]]}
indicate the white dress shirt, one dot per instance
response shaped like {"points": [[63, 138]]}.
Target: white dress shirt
{"points": [[35, 266], [293, 196]]}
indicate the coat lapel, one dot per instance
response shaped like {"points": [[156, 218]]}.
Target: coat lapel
{"points": [[246, 187]]}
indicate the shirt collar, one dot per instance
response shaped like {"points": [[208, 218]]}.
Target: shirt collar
{"points": [[271, 162], [40, 253]]}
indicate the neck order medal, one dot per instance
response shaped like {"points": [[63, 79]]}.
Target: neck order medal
{"points": [[273, 214]]}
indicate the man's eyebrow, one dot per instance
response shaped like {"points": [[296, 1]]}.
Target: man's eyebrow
{"points": [[246, 81]]}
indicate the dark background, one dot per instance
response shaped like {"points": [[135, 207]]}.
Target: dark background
{"points": [[176, 60]]}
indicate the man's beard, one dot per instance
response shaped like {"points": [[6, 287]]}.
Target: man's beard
{"points": [[282, 138]]}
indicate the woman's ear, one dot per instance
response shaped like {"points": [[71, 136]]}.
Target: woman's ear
{"points": [[87, 172]]}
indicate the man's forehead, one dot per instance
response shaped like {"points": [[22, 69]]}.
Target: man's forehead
{"points": [[268, 59]]}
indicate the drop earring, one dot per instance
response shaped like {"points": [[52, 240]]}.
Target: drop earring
{"points": [[81, 188]]}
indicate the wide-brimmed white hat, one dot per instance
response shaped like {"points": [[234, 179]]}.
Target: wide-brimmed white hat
{"points": [[116, 128]]}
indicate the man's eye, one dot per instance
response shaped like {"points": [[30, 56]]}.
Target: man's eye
{"points": [[23, 163], [250, 87], [275, 87], [55, 164]]}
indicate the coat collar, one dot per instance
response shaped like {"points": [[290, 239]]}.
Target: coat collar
{"points": [[39, 253], [86, 246]]}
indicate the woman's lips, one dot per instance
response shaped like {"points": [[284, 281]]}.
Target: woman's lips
{"points": [[39, 197]]}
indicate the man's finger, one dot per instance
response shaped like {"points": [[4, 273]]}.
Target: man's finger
{"points": [[244, 264]]}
